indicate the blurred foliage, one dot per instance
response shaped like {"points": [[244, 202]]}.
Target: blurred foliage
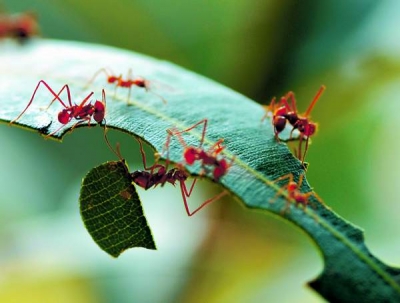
{"points": [[262, 49]]}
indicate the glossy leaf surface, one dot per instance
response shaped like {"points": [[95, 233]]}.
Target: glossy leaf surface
{"points": [[351, 273]]}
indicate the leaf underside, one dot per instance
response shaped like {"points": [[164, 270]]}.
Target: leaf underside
{"points": [[111, 210], [351, 273]]}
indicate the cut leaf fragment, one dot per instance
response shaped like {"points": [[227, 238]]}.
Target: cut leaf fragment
{"points": [[111, 210]]}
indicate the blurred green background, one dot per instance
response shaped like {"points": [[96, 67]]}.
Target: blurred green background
{"points": [[226, 253]]}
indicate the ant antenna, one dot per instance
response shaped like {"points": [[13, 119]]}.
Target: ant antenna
{"points": [[314, 101]]}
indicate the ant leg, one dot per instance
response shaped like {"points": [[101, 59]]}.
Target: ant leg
{"points": [[96, 74], [269, 109], [80, 106], [317, 197], [305, 150], [284, 177], [283, 188], [278, 193], [186, 194], [216, 148], [159, 96], [300, 182], [34, 93], [311, 193], [118, 82], [203, 133], [300, 154], [56, 131], [293, 99], [72, 128], [129, 79], [151, 168], [148, 89], [117, 150], [166, 146], [286, 104], [314, 101], [175, 132], [115, 91], [57, 97]]}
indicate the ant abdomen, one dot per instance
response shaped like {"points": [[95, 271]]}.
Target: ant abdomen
{"points": [[279, 123]]}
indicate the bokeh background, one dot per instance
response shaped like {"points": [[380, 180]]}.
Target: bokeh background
{"points": [[226, 253]]}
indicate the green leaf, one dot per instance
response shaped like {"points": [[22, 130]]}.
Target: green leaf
{"points": [[351, 273], [111, 210]]}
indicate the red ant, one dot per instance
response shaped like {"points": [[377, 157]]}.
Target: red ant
{"points": [[82, 112], [128, 83], [158, 174], [286, 113], [209, 159], [21, 26], [294, 193]]}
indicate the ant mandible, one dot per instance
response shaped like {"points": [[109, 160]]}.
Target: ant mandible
{"points": [[209, 160], [283, 113], [159, 174], [293, 192], [119, 81], [84, 112]]}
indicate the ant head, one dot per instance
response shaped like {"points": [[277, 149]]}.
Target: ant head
{"points": [[310, 129], [99, 111], [190, 154], [64, 116], [302, 125], [112, 79], [25, 26]]}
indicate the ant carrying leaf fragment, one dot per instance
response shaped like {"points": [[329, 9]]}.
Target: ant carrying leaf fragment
{"points": [[161, 174]]}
